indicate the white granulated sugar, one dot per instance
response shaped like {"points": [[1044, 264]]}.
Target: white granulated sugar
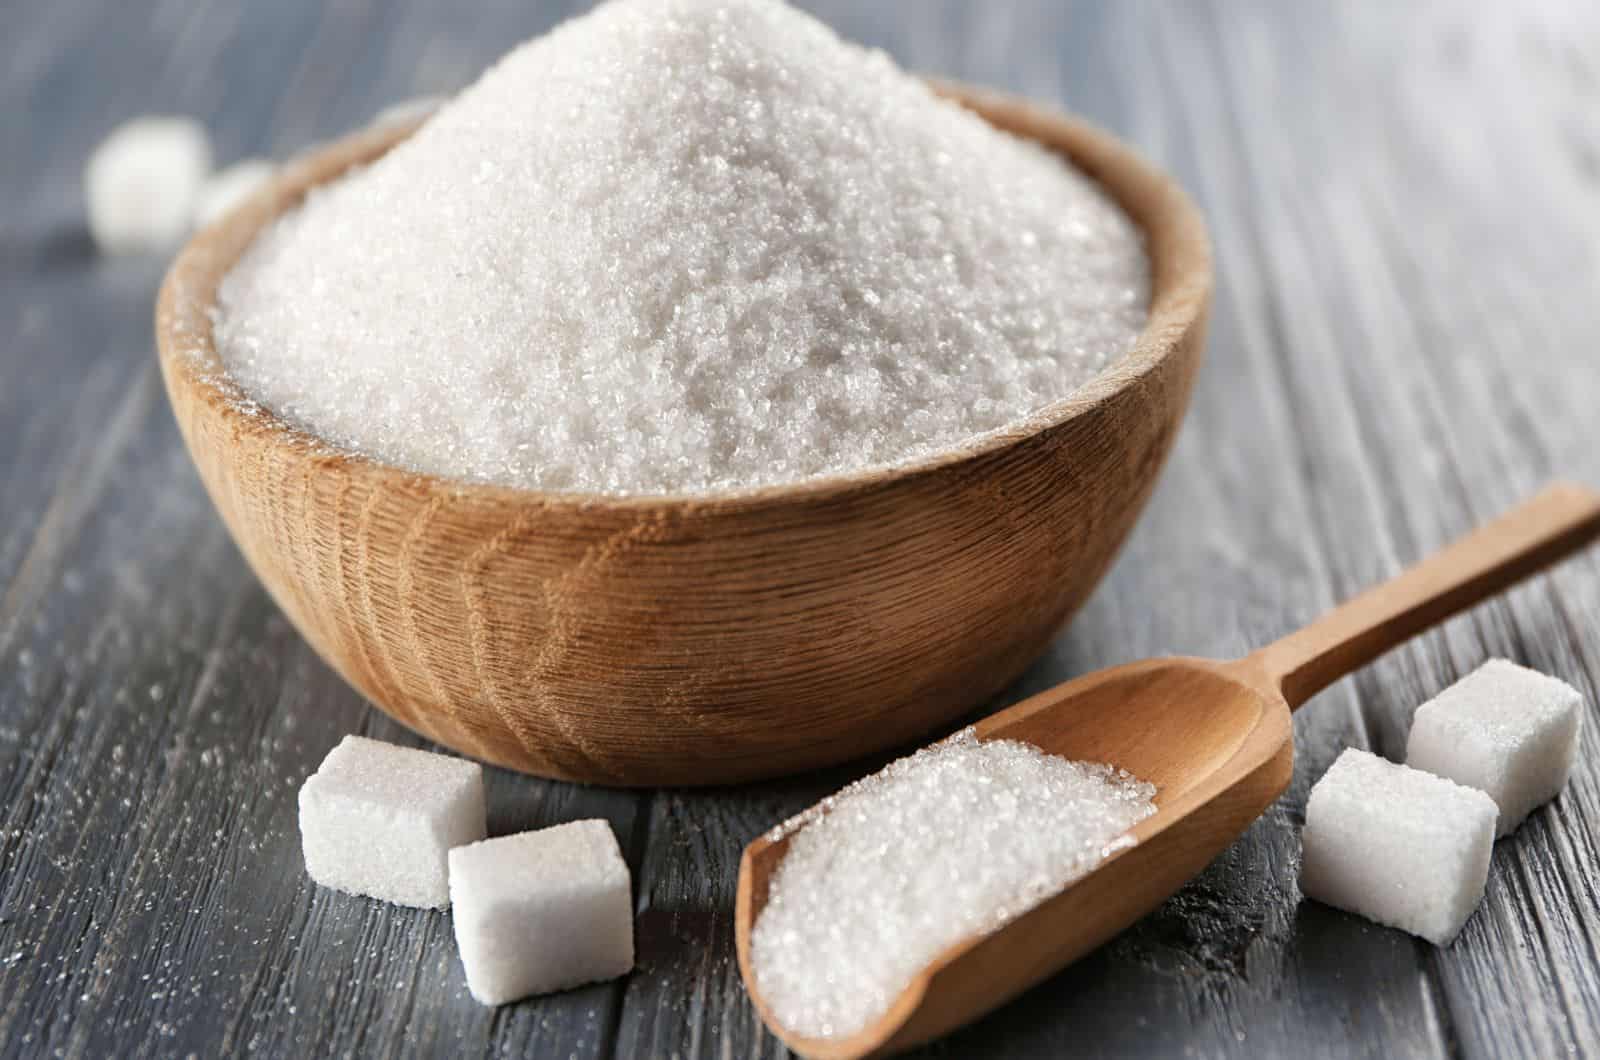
{"points": [[1505, 730], [949, 843], [679, 246], [1396, 845], [379, 820], [231, 186], [141, 184], [542, 911]]}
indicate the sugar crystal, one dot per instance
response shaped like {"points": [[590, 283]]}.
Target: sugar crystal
{"points": [[949, 843], [678, 246]]}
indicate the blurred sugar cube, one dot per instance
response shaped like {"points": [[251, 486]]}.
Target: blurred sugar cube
{"points": [[142, 183], [229, 187]]}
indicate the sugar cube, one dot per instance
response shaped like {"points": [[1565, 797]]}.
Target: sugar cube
{"points": [[542, 911], [379, 820], [142, 182], [1396, 845], [229, 187], [1502, 729]]}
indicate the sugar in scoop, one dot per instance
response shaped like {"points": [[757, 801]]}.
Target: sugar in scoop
{"points": [[678, 246], [946, 844]]}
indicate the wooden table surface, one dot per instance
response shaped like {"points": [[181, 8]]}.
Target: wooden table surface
{"points": [[1406, 205]]}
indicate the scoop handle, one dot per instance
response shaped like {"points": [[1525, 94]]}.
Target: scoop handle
{"points": [[1560, 520]]}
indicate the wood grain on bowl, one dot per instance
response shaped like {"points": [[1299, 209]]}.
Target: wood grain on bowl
{"points": [[696, 639]]}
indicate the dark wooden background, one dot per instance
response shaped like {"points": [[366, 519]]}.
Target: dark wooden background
{"points": [[1406, 206]]}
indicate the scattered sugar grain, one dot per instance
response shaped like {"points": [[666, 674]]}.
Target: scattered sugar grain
{"points": [[231, 186], [542, 911], [1396, 845], [379, 820], [142, 183], [679, 246], [951, 842], [1505, 730]]}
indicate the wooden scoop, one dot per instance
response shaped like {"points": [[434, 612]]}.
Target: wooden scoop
{"points": [[1214, 737]]}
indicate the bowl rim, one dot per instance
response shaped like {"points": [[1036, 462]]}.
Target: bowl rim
{"points": [[1173, 231]]}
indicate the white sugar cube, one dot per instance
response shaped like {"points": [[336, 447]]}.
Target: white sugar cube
{"points": [[229, 187], [1396, 845], [542, 911], [379, 820], [1503, 729], [142, 182]]}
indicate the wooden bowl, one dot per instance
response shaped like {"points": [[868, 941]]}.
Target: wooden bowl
{"points": [[695, 639]]}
